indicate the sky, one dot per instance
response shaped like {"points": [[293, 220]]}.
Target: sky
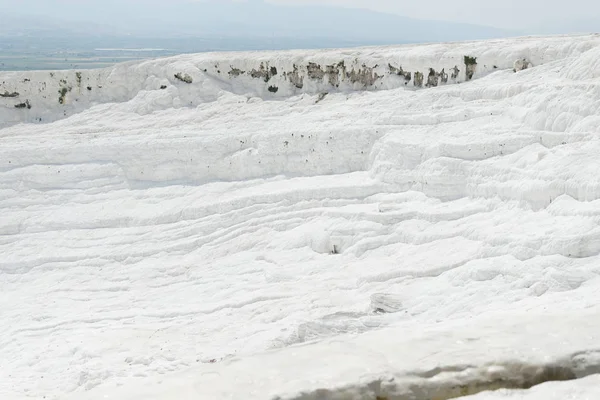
{"points": [[529, 16], [512, 14]]}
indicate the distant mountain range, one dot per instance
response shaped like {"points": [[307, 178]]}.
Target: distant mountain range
{"points": [[253, 18], [57, 34]]}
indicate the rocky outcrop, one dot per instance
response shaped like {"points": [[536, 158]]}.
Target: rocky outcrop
{"points": [[235, 72], [7, 94], [418, 79], [294, 77], [189, 80], [264, 72], [26, 105], [521, 64], [454, 72], [64, 89], [433, 78], [400, 72], [471, 66], [184, 77], [366, 76]]}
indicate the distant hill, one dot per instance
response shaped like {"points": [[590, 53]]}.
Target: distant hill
{"points": [[254, 18], [65, 35]]}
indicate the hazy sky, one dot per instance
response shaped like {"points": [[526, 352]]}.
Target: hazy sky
{"points": [[519, 14], [515, 14]]}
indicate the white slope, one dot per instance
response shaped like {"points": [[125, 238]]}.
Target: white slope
{"points": [[142, 235], [270, 75], [585, 389], [433, 362]]}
